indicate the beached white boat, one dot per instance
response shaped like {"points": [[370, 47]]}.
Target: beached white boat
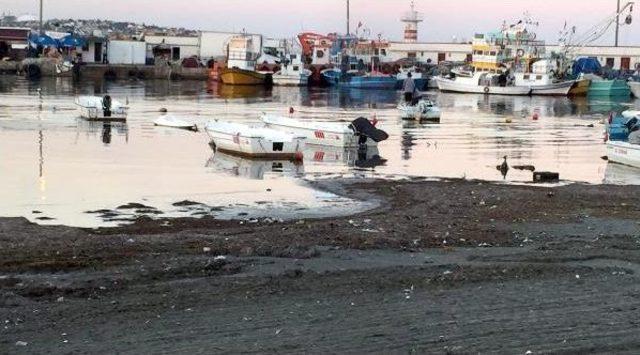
{"points": [[174, 122], [624, 153], [341, 134], [635, 88], [255, 142], [101, 108], [480, 83], [292, 73], [423, 110]]}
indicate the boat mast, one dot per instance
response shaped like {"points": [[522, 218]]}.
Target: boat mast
{"points": [[41, 27], [617, 23], [348, 15]]}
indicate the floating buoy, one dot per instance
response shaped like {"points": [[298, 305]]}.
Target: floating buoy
{"points": [[535, 116], [291, 110], [508, 120], [164, 110]]}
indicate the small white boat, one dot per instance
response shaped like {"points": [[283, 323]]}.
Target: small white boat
{"points": [[624, 153], [101, 108], [542, 81], [255, 142], [174, 122], [340, 134], [292, 73], [423, 110], [635, 88], [629, 114]]}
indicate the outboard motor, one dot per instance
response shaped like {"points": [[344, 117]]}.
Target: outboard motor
{"points": [[365, 129], [106, 106]]}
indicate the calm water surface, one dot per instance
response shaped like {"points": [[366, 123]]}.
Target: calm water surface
{"points": [[55, 163]]}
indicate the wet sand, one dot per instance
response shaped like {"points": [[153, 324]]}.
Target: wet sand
{"points": [[439, 267]]}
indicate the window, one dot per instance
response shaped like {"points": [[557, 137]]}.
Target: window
{"points": [[319, 54], [383, 52], [538, 77], [278, 147], [441, 57], [175, 53], [526, 77], [411, 54], [296, 68], [625, 63], [610, 62], [493, 53]]}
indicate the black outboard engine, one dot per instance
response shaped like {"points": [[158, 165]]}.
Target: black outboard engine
{"points": [[366, 130], [106, 106], [631, 123]]}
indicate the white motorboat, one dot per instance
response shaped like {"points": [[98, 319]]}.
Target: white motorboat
{"points": [[292, 73], [346, 156], [624, 153], [341, 134], [635, 88], [174, 122], [255, 142], [542, 81], [480, 83], [423, 110], [101, 108]]}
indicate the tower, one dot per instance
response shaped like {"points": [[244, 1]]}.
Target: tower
{"points": [[411, 18]]}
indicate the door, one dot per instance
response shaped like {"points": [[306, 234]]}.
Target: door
{"points": [[97, 53], [610, 62], [175, 53], [442, 57], [625, 63]]}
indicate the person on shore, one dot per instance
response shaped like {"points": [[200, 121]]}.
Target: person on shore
{"points": [[409, 89]]}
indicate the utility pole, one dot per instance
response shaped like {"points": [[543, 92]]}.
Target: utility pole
{"points": [[41, 26], [617, 23], [348, 15]]}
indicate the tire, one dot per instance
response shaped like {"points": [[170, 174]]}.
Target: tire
{"points": [[486, 89]]}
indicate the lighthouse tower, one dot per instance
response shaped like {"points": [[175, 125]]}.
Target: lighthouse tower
{"points": [[411, 19]]}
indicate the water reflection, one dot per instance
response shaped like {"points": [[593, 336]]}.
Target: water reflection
{"points": [[103, 165], [255, 169]]}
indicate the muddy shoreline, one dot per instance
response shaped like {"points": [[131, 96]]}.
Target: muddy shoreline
{"points": [[439, 266]]}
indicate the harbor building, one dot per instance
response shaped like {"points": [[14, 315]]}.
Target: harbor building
{"points": [[172, 47], [14, 42]]}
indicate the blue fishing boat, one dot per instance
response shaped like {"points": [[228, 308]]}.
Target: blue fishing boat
{"points": [[335, 77], [615, 87]]}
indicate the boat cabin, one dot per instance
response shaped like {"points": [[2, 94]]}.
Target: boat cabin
{"points": [[241, 53]]}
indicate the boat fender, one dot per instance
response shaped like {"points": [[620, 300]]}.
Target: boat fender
{"points": [[106, 105], [486, 89], [520, 52]]}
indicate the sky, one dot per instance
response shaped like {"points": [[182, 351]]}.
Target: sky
{"points": [[444, 20]]}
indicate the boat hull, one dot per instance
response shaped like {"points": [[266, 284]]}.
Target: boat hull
{"points": [[235, 76], [329, 134], [558, 89], [334, 78], [447, 85], [624, 153], [419, 112], [580, 88], [91, 109], [609, 88], [173, 122], [258, 147], [290, 80], [635, 88]]}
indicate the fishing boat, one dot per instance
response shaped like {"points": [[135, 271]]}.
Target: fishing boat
{"points": [[604, 87], [241, 63], [481, 83], [292, 73], [624, 153], [541, 79], [341, 134], [101, 108], [580, 88], [255, 142], [174, 122], [423, 110], [634, 86], [335, 77]]}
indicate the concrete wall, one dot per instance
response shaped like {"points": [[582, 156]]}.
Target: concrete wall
{"points": [[127, 52], [213, 44]]}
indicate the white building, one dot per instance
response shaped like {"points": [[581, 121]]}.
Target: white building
{"points": [[180, 47], [436, 52], [214, 44], [127, 52]]}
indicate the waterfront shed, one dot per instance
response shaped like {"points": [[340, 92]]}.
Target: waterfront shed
{"points": [[14, 42], [126, 52], [178, 47], [214, 44]]}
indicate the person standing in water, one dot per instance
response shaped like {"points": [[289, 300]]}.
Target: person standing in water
{"points": [[409, 89]]}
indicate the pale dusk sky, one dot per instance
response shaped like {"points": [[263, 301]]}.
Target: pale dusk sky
{"points": [[285, 18]]}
